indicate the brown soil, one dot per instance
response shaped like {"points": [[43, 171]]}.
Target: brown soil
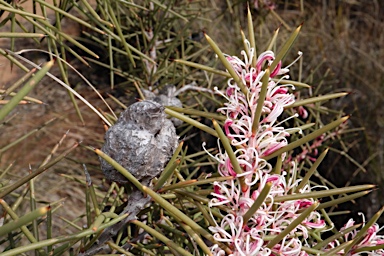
{"points": [[28, 155]]}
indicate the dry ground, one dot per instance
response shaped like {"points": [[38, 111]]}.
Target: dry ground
{"points": [[31, 152]]}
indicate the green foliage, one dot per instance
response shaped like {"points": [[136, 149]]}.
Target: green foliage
{"points": [[140, 47]]}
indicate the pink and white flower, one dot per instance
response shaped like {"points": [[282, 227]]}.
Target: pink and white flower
{"points": [[252, 236]]}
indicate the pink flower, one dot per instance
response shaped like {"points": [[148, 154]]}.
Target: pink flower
{"points": [[303, 113], [267, 4], [289, 247], [250, 237]]}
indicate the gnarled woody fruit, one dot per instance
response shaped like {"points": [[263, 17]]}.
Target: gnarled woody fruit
{"points": [[142, 141], [166, 97]]}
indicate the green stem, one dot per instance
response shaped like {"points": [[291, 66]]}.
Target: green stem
{"points": [[257, 203], [7, 108], [260, 102], [292, 225], [307, 138]]}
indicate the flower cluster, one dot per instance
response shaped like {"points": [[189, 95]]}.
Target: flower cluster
{"points": [[371, 238], [255, 235]]}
